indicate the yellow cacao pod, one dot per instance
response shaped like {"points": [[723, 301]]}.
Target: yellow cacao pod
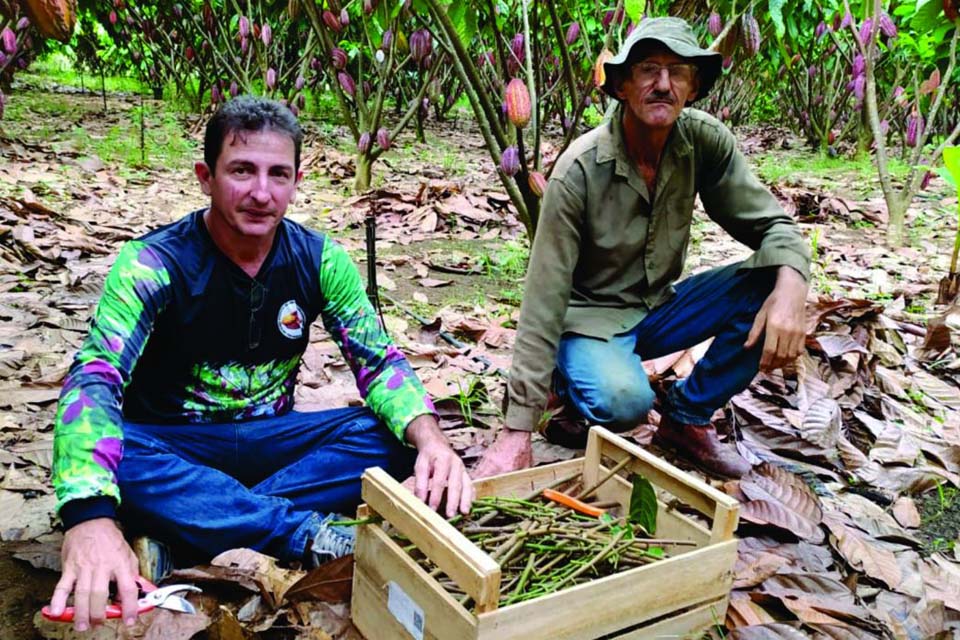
{"points": [[537, 182], [53, 18], [599, 74]]}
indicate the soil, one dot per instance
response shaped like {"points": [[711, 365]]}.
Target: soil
{"points": [[23, 591], [940, 521]]}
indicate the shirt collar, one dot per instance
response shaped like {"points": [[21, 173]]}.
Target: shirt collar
{"points": [[610, 144]]}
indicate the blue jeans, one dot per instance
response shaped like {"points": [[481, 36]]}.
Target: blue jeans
{"points": [[262, 484], [605, 382]]}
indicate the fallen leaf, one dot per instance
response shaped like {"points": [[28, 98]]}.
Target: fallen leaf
{"points": [[905, 511], [862, 553], [330, 582]]}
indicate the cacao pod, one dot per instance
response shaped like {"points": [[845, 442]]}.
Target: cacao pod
{"points": [[926, 180], [573, 32], [112, 17], [266, 34], [630, 28], [751, 34], [898, 96], [339, 58], [367, 88], [831, 136], [244, 45], [537, 182], [53, 18], [379, 56], [23, 23], [727, 63], [859, 85], [189, 54], [346, 83], [866, 30], [812, 71], [387, 39], [914, 129], [300, 82], [725, 113], [859, 65], [845, 22], [243, 25], [271, 78], [234, 89], [566, 123], [294, 109], [420, 45], [517, 99], [607, 19], [293, 9], [215, 96], [383, 138], [301, 100], [331, 20], [884, 127], [9, 40], [510, 161], [516, 47], [887, 27], [363, 144], [344, 17], [951, 9], [178, 11], [820, 30], [368, 6], [599, 73], [714, 24]]}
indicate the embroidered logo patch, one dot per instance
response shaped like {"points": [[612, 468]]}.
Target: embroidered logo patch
{"points": [[290, 320]]}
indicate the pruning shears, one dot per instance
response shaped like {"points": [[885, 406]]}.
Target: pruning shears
{"points": [[162, 597]]}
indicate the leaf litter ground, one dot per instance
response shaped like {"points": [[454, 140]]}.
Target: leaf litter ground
{"points": [[848, 521]]}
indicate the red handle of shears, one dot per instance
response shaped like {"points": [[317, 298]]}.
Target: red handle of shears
{"points": [[112, 611]]}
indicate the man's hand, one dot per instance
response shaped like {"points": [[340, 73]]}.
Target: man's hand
{"points": [[438, 467], [782, 319], [509, 452], [94, 553]]}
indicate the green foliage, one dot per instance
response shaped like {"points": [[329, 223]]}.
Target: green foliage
{"points": [[643, 504]]}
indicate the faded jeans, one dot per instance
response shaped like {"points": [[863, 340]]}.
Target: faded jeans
{"points": [[605, 382], [262, 484]]}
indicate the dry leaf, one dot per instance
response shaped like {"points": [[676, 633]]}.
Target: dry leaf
{"points": [[771, 631], [905, 511], [330, 582], [778, 515], [862, 553]]}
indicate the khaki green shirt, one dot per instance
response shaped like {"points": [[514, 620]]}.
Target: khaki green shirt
{"points": [[605, 252]]}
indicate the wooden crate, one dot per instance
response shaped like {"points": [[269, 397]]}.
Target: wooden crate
{"points": [[678, 597]]}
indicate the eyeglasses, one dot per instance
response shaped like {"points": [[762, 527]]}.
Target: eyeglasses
{"points": [[678, 72], [258, 293]]}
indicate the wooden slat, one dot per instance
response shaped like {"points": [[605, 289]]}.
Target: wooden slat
{"points": [[525, 481], [619, 601], [725, 522], [370, 614], [688, 625], [382, 561], [694, 492], [472, 569]]}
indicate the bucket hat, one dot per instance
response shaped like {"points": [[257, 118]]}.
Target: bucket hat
{"points": [[676, 35]]}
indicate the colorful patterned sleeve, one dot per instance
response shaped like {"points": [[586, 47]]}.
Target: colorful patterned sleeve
{"points": [[384, 377], [88, 428]]}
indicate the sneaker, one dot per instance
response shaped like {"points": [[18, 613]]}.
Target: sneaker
{"points": [[154, 558], [332, 541]]}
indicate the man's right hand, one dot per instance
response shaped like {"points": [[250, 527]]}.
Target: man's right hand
{"points": [[509, 452], [94, 553]]}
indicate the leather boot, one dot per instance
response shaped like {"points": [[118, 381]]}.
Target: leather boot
{"points": [[566, 428], [699, 444]]}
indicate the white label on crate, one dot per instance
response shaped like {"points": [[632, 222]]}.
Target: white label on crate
{"points": [[405, 610]]}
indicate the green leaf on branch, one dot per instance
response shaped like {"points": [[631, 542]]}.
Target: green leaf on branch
{"points": [[775, 7], [633, 9], [464, 18], [643, 504], [927, 16]]}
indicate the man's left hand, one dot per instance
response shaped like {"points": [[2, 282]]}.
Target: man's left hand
{"points": [[438, 468], [781, 319]]}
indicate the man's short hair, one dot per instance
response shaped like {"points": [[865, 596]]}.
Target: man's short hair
{"points": [[249, 113]]}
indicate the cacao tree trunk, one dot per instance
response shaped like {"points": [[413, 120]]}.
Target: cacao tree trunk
{"points": [[361, 181]]}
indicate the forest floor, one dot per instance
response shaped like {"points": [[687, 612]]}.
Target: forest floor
{"points": [[849, 522]]}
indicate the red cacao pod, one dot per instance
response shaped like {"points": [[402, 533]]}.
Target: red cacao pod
{"points": [[573, 32], [510, 161], [607, 19], [517, 48], [234, 89], [300, 82], [266, 34], [346, 83], [112, 17], [9, 39], [23, 23], [914, 129], [387, 39], [363, 144], [887, 27], [369, 6], [243, 25], [344, 17], [189, 54], [420, 45], [951, 9], [215, 96], [714, 24], [517, 99], [537, 182], [271, 78], [751, 34], [820, 30], [383, 138], [339, 58], [52, 18], [331, 20]]}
